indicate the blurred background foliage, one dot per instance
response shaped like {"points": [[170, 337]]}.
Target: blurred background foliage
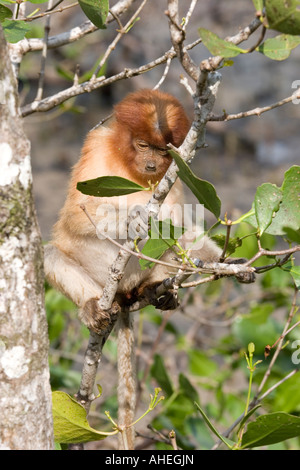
{"points": [[195, 354]]}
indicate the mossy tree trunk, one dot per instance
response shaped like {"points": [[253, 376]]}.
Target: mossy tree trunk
{"points": [[25, 395]]}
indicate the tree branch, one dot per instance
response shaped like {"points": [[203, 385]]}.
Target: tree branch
{"points": [[44, 56], [256, 111], [177, 33], [19, 49], [213, 63], [51, 102]]}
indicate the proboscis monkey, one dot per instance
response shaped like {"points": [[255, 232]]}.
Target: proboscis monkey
{"points": [[134, 146]]}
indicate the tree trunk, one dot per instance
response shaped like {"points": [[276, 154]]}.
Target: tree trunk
{"points": [[25, 395]]}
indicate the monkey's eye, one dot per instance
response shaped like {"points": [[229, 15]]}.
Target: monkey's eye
{"points": [[142, 145], [163, 152]]}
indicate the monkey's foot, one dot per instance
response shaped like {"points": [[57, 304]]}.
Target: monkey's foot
{"points": [[166, 301], [96, 319]]}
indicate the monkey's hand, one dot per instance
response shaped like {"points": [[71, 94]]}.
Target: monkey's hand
{"points": [[168, 300], [97, 319]]}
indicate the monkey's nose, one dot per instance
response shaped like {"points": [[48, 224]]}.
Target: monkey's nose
{"points": [[150, 166]]}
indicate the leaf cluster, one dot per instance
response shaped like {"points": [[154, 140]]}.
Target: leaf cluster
{"points": [[283, 17], [15, 30], [275, 210]]}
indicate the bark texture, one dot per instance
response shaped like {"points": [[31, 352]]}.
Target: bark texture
{"points": [[25, 394]]}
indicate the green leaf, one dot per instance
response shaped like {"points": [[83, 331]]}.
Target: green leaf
{"points": [[283, 16], [108, 186], [279, 48], [247, 416], [158, 371], [14, 31], [65, 73], [258, 5], [165, 229], [212, 428], [295, 273], [203, 190], [4, 13], [187, 388], [258, 326], [218, 46], [162, 236], [154, 249], [270, 429], [96, 11], [288, 216], [267, 199], [233, 243], [201, 365], [38, 1], [292, 235], [249, 217], [287, 396], [70, 423]]}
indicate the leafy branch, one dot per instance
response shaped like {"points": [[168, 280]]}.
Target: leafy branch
{"points": [[70, 419]]}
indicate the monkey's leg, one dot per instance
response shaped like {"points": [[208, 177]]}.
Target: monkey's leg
{"points": [[73, 281], [155, 294], [69, 277]]}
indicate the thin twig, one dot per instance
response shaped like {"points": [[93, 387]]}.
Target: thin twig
{"points": [[279, 346], [280, 382], [213, 63], [172, 437], [49, 11], [120, 34], [177, 33], [228, 230], [258, 396], [161, 329], [51, 102], [260, 39], [35, 44], [44, 56], [256, 111], [263, 252], [164, 75], [252, 404], [189, 14]]}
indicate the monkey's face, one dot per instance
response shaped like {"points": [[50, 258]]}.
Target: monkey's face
{"points": [[150, 162]]}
